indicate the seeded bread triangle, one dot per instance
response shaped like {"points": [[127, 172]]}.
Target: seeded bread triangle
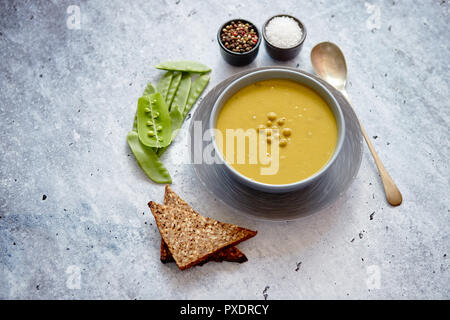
{"points": [[230, 254], [192, 238]]}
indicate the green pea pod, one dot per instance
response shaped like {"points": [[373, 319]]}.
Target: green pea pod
{"points": [[177, 120], [148, 160], [135, 122], [173, 88], [179, 102], [153, 121], [197, 88], [184, 65], [195, 91], [150, 89], [163, 84]]}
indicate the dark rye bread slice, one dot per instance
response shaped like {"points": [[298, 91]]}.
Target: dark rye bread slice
{"points": [[192, 238], [231, 254]]}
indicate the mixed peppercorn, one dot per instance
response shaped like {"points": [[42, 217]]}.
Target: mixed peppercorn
{"points": [[238, 36]]}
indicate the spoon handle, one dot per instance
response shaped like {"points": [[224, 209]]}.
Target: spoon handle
{"points": [[393, 195]]}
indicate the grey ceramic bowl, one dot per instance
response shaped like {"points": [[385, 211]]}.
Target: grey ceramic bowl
{"points": [[276, 73]]}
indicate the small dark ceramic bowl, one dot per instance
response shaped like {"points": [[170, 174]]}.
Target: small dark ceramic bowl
{"points": [[284, 53], [237, 58]]}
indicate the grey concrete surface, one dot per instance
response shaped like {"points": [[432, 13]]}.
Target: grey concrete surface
{"points": [[67, 99]]}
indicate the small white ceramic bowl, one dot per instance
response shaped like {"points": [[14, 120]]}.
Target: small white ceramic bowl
{"points": [[276, 73]]}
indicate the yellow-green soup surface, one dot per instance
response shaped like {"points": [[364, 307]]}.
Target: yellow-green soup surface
{"points": [[293, 116]]}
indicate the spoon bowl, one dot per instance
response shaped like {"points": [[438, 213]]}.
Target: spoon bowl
{"points": [[329, 63]]}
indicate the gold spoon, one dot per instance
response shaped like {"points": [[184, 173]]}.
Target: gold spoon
{"points": [[329, 64]]}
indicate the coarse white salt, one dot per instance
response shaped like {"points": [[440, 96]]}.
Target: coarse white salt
{"points": [[283, 32]]}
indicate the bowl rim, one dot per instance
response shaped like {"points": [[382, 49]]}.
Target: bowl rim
{"points": [[302, 26], [277, 188], [239, 53]]}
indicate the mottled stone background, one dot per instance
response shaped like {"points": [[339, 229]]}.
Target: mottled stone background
{"points": [[73, 216]]}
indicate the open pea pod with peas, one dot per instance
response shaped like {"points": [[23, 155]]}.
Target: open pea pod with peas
{"points": [[153, 121], [150, 89], [146, 157], [177, 121], [161, 113]]}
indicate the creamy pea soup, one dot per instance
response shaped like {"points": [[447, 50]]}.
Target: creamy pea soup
{"points": [[287, 115]]}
